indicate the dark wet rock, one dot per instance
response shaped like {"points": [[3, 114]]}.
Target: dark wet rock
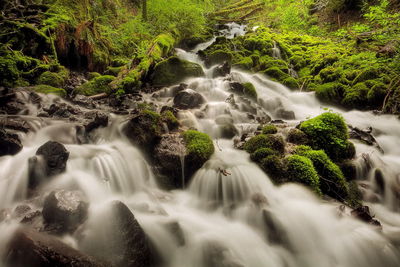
{"points": [[143, 130], [16, 124], [222, 70], [122, 241], [365, 136], [9, 143], [95, 120], [379, 180], [237, 88], [20, 210], [216, 255], [65, 210], [285, 114], [362, 213], [9, 102], [176, 231], [188, 99], [167, 157], [174, 111], [34, 220], [274, 231], [176, 89], [228, 131], [264, 119], [62, 110], [84, 101], [30, 248]]}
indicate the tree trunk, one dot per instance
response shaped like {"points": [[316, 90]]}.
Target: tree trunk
{"points": [[144, 10]]}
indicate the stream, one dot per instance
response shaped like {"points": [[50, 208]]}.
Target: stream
{"points": [[234, 220]]}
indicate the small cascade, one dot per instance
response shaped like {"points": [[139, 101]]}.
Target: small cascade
{"points": [[276, 51]]}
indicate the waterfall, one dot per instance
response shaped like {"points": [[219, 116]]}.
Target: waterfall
{"points": [[231, 213]]}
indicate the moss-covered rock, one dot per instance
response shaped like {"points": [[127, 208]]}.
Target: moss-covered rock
{"points": [[53, 79], [245, 63], [218, 57], [47, 89], [330, 92], [92, 75], [276, 73], [173, 70], [97, 85], [291, 83], [328, 132], [301, 169], [262, 153], [297, 136], [332, 180], [356, 96], [273, 142], [169, 118], [249, 90], [377, 93], [269, 129], [273, 165]]}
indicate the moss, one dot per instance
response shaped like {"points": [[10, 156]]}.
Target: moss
{"points": [[354, 199], [173, 70], [199, 145], [269, 129], [328, 131], [52, 78], [330, 92], [274, 167], [218, 57], [332, 180], [297, 136], [47, 89], [169, 118], [113, 70], [267, 62], [245, 63], [368, 74], [9, 71], [291, 83], [262, 153], [92, 75], [265, 141], [349, 170], [298, 61], [356, 96], [258, 43], [330, 74], [249, 90], [96, 86], [377, 93], [300, 169], [275, 72]]}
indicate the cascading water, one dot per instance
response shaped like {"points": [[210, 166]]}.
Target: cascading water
{"points": [[231, 214]]}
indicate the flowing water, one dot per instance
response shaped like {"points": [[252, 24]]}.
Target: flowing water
{"points": [[235, 217]]}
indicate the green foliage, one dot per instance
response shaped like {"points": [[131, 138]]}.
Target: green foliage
{"points": [[199, 145], [249, 90], [96, 86], [328, 132], [332, 180], [269, 129], [47, 89], [300, 169]]}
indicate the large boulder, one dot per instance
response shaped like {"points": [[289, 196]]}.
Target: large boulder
{"points": [[187, 99], [9, 143], [51, 159], [30, 248], [173, 70], [144, 129], [121, 239], [64, 210]]}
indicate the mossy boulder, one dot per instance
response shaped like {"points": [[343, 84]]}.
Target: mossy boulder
{"points": [[47, 89], [97, 85], [273, 142], [328, 132], [170, 120], [291, 83], [330, 92], [377, 93], [301, 169], [273, 165], [332, 180], [199, 148], [218, 57], [269, 129], [297, 136], [276, 73], [356, 96], [173, 70], [53, 79], [92, 75], [262, 153], [245, 63], [249, 90]]}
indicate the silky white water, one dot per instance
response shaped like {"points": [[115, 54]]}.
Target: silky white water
{"points": [[238, 219]]}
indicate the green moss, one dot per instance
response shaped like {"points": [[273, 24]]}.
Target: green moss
{"points": [[300, 169], [113, 70], [92, 75], [332, 180], [277, 73], [377, 93], [262, 153], [96, 86], [368, 74], [9, 71], [298, 61], [173, 70], [218, 57], [354, 199], [291, 83], [269, 129], [199, 145], [47, 89], [274, 167], [169, 118], [245, 63], [356, 96], [267, 62], [330, 92], [328, 132], [297, 136], [52, 78], [249, 90], [330, 74], [273, 142]]}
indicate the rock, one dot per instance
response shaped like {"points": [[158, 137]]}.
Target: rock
{"points": [[65, 210], [216, 255], [122, 240], [97, 120], [285, 114], [84, 101], [176, 89], [30, 248], [218, 57], [365, 136], [297, 137], [176, 231], [173, 70], [188, 99], [362, 213], [228, 131], [222, 70], [62, 110], [144, 130], [54, 156], [167, 158], [34, 220], [20, 210], [16, 124], [9, 143]]}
